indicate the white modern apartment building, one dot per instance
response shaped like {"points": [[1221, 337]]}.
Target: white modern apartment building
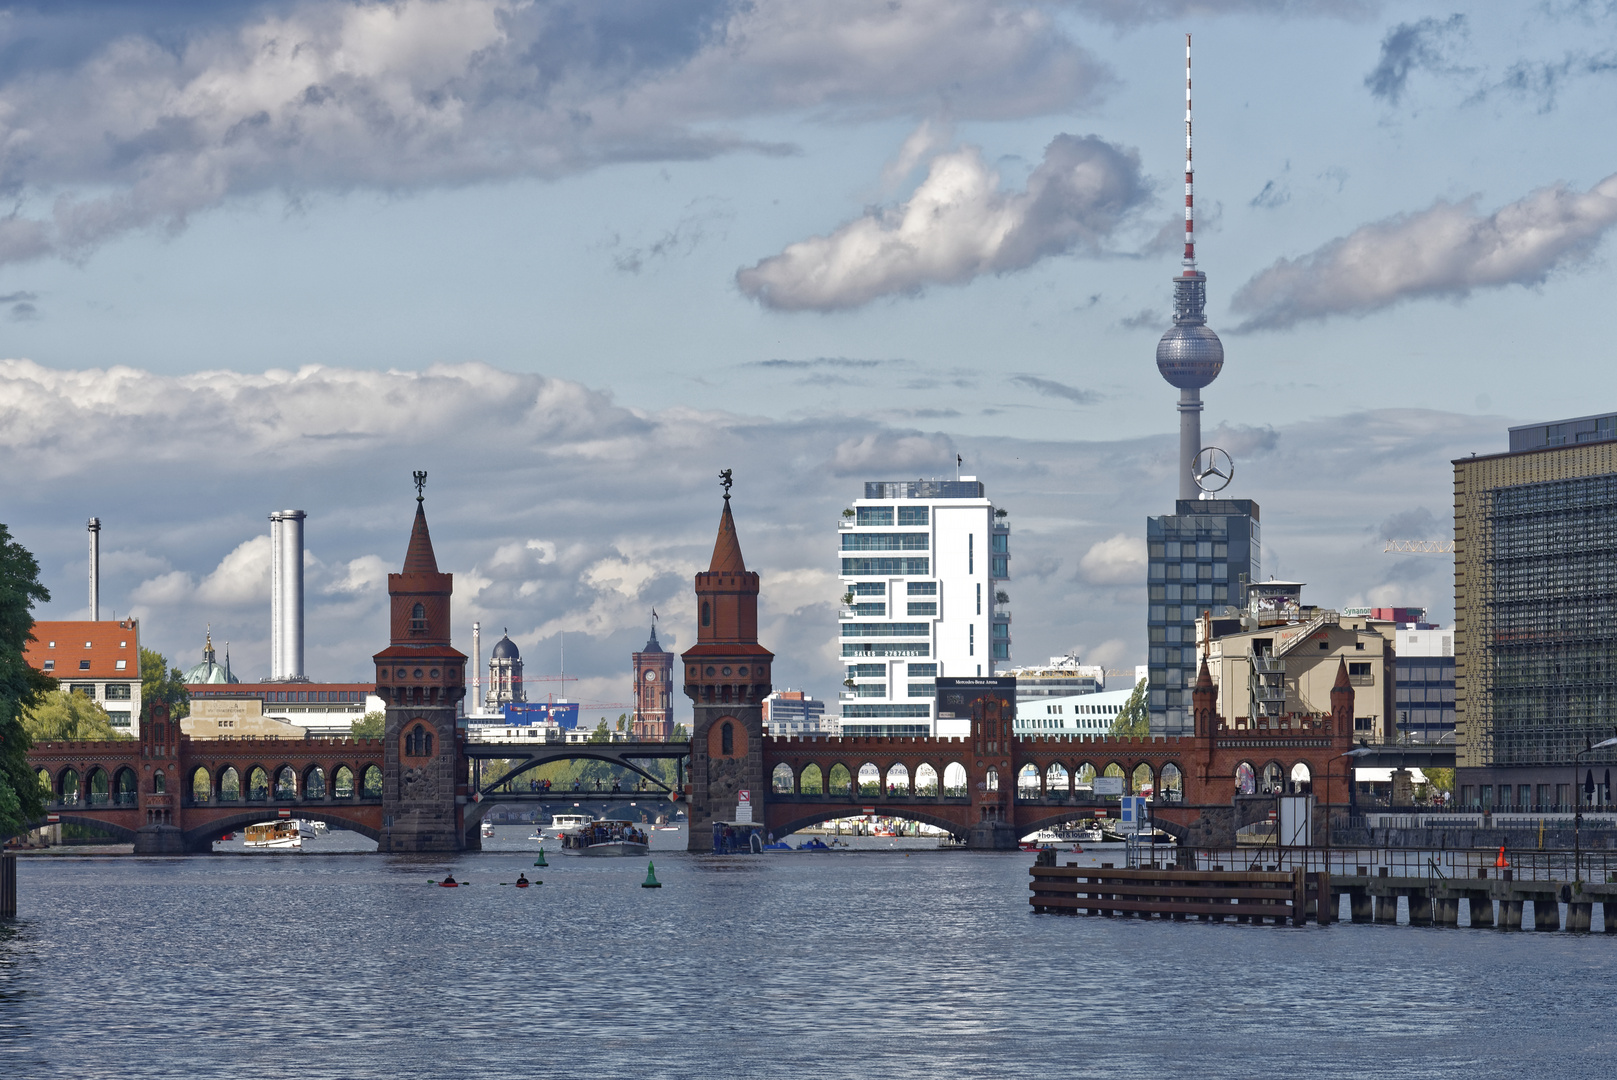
{"points": [[922, 567]]}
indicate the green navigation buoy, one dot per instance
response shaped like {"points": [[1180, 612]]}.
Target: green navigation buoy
{"points": [[651, 881], [540, 861]]}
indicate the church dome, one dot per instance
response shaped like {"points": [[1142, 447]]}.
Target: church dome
{"points": [[505, 649], [210, 671]]}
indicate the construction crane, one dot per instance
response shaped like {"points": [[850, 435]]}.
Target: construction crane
{"points": [[1419, 547]]}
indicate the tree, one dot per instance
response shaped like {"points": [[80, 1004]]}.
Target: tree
{"points": [[1135, 719], [679, 733], [1439, 779], [602, 732], [21, 803], [623, 718], [59, 715], [159, 682], [371, 726]]}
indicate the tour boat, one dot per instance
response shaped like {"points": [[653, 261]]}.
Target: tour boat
{"points": [[487, 829], [606, 838], [274, 834]]}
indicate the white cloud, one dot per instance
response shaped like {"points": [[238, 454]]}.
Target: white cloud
{"points": [[242, 577], [1446, 250], [147, 129], [958, 225], [1117, 560]]}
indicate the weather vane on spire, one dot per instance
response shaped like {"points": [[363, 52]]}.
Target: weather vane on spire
{"points": [[725, 482], [420, 486]]}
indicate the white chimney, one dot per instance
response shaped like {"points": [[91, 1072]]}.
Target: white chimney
{"points": [[286, 595], [95, 569], [477, 665]]}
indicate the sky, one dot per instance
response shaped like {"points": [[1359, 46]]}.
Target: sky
{"points": [[574, 258]]}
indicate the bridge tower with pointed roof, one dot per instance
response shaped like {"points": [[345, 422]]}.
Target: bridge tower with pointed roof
{"points": [[727, 679], [422, 678]]}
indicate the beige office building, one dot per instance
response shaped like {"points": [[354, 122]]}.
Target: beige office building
{"points": [[1535, 606]]}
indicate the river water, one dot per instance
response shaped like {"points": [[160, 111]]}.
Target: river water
{"points": [[896, 961]]}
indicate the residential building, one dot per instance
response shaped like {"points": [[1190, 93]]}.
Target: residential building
{"points": [[1535, 606], [1199, 557], [1279, 658], [1424, 694], [1076, 715], [100, 660], [1063, 676], [792, 712], [923, 562]]}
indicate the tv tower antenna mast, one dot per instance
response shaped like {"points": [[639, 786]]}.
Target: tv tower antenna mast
{"points": [[1189, 355]]}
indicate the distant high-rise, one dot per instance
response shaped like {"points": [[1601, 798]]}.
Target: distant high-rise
{"points": [[922, 562]]}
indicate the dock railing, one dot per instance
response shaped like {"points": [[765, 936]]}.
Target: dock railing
{"points": [[1522, 865]]}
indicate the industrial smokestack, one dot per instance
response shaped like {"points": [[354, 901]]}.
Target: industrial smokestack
{"points": [[95, 569], [286, 595], [477, 666]]}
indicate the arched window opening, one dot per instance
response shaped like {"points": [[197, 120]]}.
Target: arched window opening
{"points": [[812, 782], [1246, 778], [869, 779], [45, 785], [229, 785], [343, 787], [1271, 778], [418, 743], [201, 785], [926, 780], [96, 787], [781, 779], [159, 783], [257, 785], [727, 738], [314, 783], [991, 782], [418, 619], [1173, 784], [1302, 780], [1086, 775], [954, 780], [286, 783], [841, 780], [898, 780], [373, 783], [1055, 780], [1027, 782], [1142, 780]]}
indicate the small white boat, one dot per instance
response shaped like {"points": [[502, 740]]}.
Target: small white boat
{"points": [[274, 834], [488, 829]]}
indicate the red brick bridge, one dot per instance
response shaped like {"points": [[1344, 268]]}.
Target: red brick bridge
{"points": [[171, 794]]}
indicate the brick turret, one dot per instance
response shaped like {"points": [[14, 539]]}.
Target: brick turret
{"points": [[1342, 702]]}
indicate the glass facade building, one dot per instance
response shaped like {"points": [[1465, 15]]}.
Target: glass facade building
{"points": [[1199, 558]]}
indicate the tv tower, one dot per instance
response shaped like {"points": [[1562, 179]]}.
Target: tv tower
{"points": [[1189, 355]]}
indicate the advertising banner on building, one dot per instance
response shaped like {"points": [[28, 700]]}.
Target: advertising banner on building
{"points": [[962, 698], [524, 713]]}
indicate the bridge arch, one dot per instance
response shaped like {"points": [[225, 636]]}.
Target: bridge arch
{"points": [[839, 780], [1246, 778], [314, 782], [200, 838], [1273, 775], [258, 784], [781, 781], [926, 779], [120, 833], [1142, 776], [342, 782], [955, 780], [1056, 778], [869, 779], [908, 813], [898, 779], [201, 787], [371, 785], [1171, 783], [1029, 783], [66, 786]]}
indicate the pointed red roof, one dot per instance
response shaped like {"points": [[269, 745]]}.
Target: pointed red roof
{"points": [[1204, 679], [1342, 681], [727, 548], [419, 559]]}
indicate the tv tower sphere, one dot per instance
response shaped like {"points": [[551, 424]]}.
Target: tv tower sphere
{"points": [[1190, 355]]}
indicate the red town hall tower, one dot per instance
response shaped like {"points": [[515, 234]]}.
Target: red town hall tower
{"points": [[422, 679], [727, 678], [653, 690]]}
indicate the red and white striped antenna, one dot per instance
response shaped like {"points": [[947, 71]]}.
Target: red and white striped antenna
{"points": [[1190, 174]]}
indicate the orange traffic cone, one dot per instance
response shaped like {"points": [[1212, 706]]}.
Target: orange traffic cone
{"points": [[1501, 862]]}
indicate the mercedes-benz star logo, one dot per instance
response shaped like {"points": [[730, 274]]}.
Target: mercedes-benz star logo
{"points": [[1213, 469]]}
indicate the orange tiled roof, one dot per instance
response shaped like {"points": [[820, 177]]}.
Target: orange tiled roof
{"points": [[86, 650]]}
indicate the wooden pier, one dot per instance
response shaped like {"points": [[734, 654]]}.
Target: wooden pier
{"points": [[1254, 896]]}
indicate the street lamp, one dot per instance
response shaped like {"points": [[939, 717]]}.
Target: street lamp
{"points": [[1577, 809], [1357, 752]]}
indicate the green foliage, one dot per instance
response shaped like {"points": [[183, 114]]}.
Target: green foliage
{"points": [[679, 734], [59, 715], [623, 719], [20, 685], [602, 732], [1135, 719], [1439, 779], [370, 726], [159, 682]]}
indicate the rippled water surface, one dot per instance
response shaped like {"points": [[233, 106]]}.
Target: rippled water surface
{"points": [[883, 963]]}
